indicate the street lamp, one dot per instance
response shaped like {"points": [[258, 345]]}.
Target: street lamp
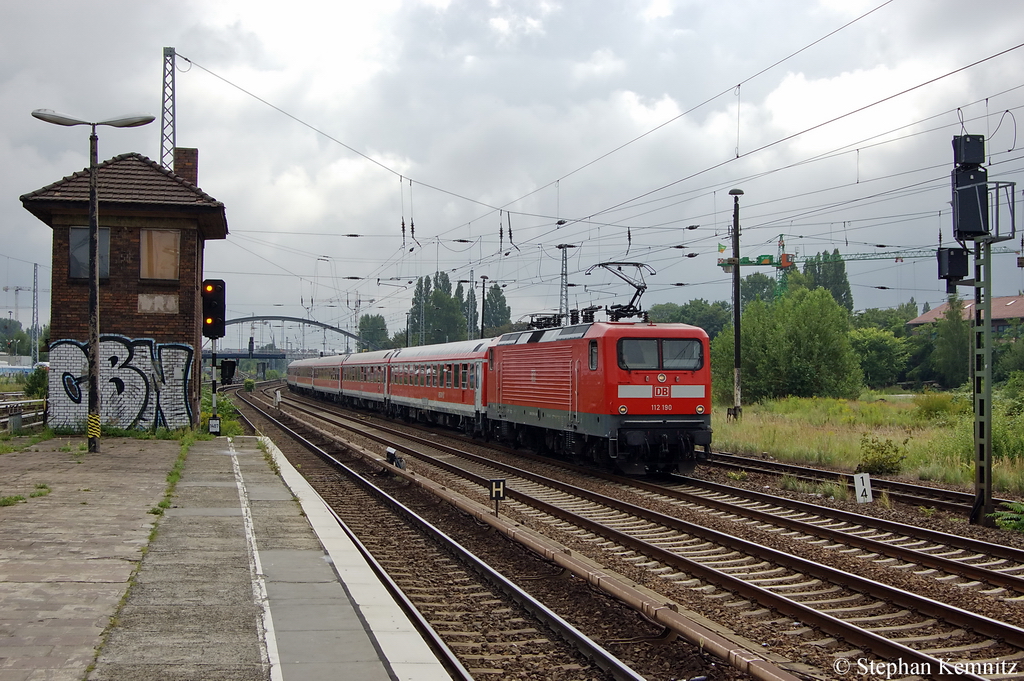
{"points": [[132, 121], [736, 194]]}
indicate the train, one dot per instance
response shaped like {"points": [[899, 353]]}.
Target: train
{"points": [[634, 397]]}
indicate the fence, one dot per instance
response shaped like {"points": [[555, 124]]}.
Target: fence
{"points": [[18, 415]]}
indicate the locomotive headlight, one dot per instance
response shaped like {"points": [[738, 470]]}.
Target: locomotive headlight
{"points": [[700, 408], [661, 378], [623, 409]]}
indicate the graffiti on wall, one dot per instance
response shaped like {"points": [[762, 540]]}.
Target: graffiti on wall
{"points": [[143, 384]]}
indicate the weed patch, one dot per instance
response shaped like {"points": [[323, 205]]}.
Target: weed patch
{"points": [[1012, 518], [881, 456]]}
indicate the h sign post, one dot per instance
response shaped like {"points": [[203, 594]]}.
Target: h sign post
{"points": [[497, 493]]}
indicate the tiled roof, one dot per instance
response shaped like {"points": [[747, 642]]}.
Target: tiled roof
{"points": [[1003, 307], [129, 182]]}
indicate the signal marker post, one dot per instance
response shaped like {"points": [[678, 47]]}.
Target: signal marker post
{"points": [[497, 493], [214, 419]]}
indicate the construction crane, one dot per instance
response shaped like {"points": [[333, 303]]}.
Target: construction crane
{"points": [[16, 289]]}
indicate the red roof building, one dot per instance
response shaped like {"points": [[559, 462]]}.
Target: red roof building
{"points": [[1004, 310], [154, 224]]}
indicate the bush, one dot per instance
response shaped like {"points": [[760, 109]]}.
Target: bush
{"points": [[249, 385], [37, 385], [881, 457], [931, 405], [1012, 518]]}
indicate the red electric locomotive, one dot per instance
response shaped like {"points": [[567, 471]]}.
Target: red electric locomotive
{"points": [[631, 396]]}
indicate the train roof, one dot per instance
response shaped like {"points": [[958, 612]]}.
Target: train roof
{"points": [[599, 329], [329, 360], [458, 349]]}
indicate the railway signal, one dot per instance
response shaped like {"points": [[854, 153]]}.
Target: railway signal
{"points": [[978, 206], [213, 308]]}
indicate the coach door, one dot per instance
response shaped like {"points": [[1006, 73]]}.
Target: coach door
{"points": [[574, 393], [476, 383]]}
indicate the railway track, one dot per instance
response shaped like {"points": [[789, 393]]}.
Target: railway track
{"points": [[890, 623], [493, 626], [990, 569], [915, 495]]}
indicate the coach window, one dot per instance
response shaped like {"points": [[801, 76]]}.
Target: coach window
{"points": [[593, 355], [465, 376], [78, 265], [159, 251]]}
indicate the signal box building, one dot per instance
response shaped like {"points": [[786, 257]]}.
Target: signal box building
{"points": [[154, 224]]}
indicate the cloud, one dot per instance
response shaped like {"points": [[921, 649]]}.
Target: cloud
{"points": [[539, 110]]}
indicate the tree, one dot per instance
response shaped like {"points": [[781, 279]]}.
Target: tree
{"points": [[664, 313], [448, 322], [420, 312], [919, 363], [470, 311], [797, 346], [952, 345], [373, 333], [496, 310], [436, 316], [828, 271], [883, 355], [712, 317], [756, 286], [893, 320], [1010, 360]]}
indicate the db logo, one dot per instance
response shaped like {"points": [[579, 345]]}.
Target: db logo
{"points": [[661, 391]]}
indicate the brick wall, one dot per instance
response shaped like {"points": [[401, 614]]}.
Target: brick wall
{"points": [[119, 293]]}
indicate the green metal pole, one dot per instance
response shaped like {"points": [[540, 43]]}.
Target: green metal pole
{"points": [[982, 374]]}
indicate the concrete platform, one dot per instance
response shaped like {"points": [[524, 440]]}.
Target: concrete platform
{"points": [[247, 576]]}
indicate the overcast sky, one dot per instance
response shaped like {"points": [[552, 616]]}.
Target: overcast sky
{"points": [[630, 121]]}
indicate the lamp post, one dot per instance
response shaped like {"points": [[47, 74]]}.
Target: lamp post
{"points": [[132, 121], [736, 194]]}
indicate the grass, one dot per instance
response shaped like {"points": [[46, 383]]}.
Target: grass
{"points": [[931, 434]]}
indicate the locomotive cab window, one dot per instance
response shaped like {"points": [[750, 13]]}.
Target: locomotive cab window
{"points": [[638, 353], [670, 354], [593, 355], [682, 354]]}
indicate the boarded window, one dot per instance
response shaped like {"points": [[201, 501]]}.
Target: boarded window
{"points": [[159, 253]]}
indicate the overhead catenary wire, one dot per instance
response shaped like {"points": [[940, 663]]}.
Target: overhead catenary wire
{"points": [[628, 227]]}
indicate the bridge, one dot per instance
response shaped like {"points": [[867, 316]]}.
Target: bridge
{"points": [[279, 355]]}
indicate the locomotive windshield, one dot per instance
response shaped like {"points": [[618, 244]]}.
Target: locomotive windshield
{"points": [[682, 355], [671, 354]]}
